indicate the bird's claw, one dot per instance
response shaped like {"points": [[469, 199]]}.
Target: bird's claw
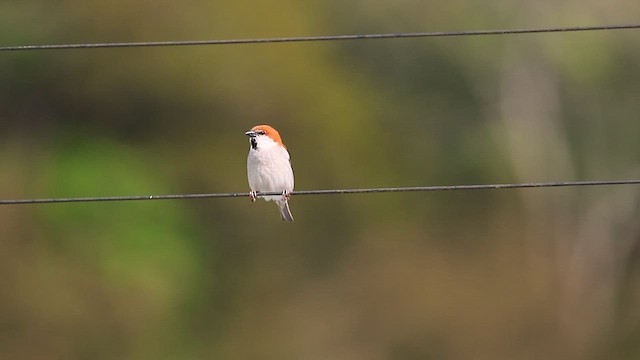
{"points": [[286, 195], [252, 196]]}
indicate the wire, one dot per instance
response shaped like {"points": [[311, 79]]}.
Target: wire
{"points": [[328, 192], [315, 38]]}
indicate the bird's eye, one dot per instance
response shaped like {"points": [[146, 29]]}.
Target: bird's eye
{"points": [[261, 132]]}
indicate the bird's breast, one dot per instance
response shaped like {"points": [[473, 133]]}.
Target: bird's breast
{"points": [[269, 170]]}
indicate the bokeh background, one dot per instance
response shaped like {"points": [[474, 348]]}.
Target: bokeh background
{"points": [[523, 274]]}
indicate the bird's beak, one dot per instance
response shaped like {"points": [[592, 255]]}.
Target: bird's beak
{"points": [[250, 133]]}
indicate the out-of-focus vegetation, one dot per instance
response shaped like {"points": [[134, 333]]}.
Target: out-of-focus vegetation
{"points": [[524, 274]]}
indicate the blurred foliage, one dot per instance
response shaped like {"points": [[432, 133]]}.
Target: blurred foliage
{"points": [[545, 273]]}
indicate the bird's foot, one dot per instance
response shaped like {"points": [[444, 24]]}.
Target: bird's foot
{"points": [[252, 196], [286, 195]]}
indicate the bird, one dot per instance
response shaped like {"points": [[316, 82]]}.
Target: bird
{"points": [[269, 168]]}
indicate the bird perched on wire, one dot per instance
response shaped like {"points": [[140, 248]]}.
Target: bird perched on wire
{"points": [[269, 168]]}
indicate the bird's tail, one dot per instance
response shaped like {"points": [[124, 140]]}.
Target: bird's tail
{"points": [[285, 212]]}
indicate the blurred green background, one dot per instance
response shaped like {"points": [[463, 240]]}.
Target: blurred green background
{"points": [[524, 274]]}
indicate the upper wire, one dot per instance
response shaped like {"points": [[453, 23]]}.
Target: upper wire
{"points": [[327, 192], [315, 38]]}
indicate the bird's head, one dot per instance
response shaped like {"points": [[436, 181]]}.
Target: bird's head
{"points": [[264, 136]]}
